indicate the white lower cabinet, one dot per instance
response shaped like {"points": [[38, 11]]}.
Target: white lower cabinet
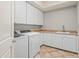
{"points": [[52, 40], [48, 39], [56, 41], [70, 43], [41, 39], [65, 42]]}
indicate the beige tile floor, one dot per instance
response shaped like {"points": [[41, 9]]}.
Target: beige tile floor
{"points": [[47, 52]]}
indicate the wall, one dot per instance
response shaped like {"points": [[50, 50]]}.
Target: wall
{"points": [[78, 17], [25, 27], [66, 16]]}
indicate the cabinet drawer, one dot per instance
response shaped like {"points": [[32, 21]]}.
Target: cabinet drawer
{"points": [[4, 45]]}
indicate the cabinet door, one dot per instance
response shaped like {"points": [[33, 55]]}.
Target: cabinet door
{"points": [[5, 19], [34, 45], [39, 15], [69, 43], [5, 26], [34, 16], [56, 41], [48, 39], [52, 40], [20, 12], [41, 39]]}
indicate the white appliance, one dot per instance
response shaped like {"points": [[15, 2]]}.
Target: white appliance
{"points": [[21, 47], [34, 43]]}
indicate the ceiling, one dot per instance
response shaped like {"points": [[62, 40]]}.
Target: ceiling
{"points": [[45, 4], [52, 5]]}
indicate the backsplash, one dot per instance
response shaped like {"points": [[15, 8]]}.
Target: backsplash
{"points": [[25, 27]]}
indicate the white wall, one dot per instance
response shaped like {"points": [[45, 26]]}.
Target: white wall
{"points": [[66, 16], [78, 16]]}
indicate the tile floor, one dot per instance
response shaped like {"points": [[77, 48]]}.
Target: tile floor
{"points": [[47, 52]]}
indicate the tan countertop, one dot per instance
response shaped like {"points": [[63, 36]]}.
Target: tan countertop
{"points": [[55, 31]]}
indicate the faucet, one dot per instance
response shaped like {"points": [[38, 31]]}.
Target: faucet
{"points": [[63, 28]]}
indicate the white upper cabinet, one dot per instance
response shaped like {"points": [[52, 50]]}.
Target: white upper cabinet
{"points": [[20, 12], [27, 14], [34, 16]]}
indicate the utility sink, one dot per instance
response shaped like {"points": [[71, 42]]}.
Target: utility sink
{"points": [[63, 32]]}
